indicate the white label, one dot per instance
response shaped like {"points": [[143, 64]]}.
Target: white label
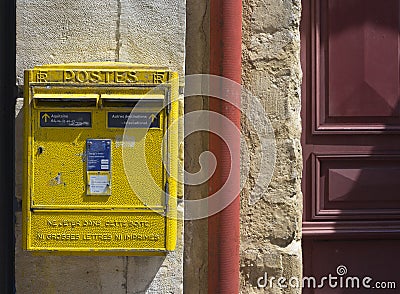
{"points": [[104, 161], [98, 183], [124, 141], [104, 166]]}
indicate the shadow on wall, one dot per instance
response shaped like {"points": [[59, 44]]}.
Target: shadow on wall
{"points": [[75, 274]]}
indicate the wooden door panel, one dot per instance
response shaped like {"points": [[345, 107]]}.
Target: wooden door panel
{"points": [[358, 186], [357, 66], [350, 260]]}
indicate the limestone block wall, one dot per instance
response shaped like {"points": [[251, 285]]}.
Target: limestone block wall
{"points": [[196, 231], [271, 227], [64, 31]]}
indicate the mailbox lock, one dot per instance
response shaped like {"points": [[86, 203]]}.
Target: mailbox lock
{"points": [[40, 150]]}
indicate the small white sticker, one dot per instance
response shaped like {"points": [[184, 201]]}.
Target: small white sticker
{"points": [[98, 183], [124, 141], [104, 166], [104, 161]]}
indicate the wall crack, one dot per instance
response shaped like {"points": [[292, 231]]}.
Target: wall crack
{"points": [[117, 31]]}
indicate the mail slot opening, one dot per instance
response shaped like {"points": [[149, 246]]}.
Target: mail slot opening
{"points": [[120, 103], [65, 101], [132, 101]]}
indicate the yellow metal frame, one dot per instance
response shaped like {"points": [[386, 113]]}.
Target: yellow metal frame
{"points": [[58, 215]]}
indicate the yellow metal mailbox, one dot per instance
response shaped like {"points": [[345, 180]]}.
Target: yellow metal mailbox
{"points": [[101, 159]]}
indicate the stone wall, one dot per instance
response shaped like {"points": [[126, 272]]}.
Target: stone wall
{"points": [[271, 227], [196, 231], [137, 31]]}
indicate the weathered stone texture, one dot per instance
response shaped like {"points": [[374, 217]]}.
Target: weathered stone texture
{"points": [[65, 31], [197, 60], [271, 228]]}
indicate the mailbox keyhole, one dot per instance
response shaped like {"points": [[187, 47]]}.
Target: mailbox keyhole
{"points": [[40, 150]]}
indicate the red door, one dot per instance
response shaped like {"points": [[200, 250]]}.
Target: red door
{"points": [[351, 146]]}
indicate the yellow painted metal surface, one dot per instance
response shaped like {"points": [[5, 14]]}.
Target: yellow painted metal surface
{"points": [[101, 159]]}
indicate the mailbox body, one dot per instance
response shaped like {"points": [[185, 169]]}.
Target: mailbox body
{"points": [[101, 159]]}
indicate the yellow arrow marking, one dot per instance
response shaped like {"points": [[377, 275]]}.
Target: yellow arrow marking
{"points": [[152, 116], [45, 117]]}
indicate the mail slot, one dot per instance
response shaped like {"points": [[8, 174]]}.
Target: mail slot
{"points": [[101, 159]]}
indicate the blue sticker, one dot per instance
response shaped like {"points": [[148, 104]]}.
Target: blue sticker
{"points": [[98, 154]]}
